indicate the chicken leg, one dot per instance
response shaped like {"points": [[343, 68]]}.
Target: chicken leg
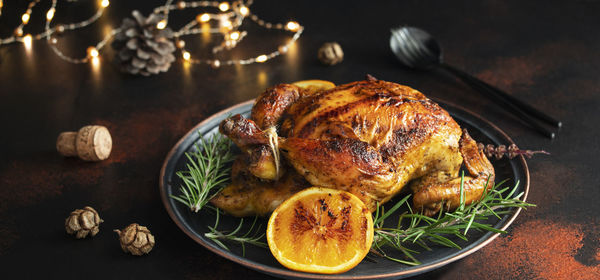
{"points": [[266, 113], [439, 190]]}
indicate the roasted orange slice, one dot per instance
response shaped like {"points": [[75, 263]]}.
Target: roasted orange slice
{"points": [[320, 230], [313, 86]]}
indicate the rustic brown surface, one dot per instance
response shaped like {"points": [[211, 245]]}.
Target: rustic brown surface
{"points": [[544, 52]]}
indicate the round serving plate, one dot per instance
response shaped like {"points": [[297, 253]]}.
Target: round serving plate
{"points": [[195, 225]]}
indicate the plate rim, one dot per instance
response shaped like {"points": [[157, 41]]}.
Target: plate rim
{"points": [[296, 274]]}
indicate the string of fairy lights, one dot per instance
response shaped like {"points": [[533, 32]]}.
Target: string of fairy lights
{"points": [[226, 21]]}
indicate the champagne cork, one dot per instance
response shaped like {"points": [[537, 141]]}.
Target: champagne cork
{"points": [[90, 143]]}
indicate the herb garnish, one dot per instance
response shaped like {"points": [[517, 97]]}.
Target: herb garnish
{"points": [[208, 170]]}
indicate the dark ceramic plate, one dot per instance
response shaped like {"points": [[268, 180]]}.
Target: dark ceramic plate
{"points": [[260, 259]]}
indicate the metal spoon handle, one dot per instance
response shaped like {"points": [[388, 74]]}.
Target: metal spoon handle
{"points": [[498, 92], [486, 88]]}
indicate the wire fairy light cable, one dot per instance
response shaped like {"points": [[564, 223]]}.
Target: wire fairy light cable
{"points": [[27, 39], [93, 52], [226, 22]]}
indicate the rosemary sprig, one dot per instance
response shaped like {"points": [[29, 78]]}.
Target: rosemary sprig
{"points": [[207, 171], [252, 235], [422, 230]]}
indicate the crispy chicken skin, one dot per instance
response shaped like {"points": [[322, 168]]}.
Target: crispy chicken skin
{"points": [[248, 195], [370, 138]]}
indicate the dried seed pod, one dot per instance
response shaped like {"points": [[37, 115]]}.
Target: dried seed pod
{"points": [[83, 222], [511, 152], [331, 53], [136, 239]]}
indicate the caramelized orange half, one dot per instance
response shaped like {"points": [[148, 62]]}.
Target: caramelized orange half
{"points": [[320, 230], [313, 86]]}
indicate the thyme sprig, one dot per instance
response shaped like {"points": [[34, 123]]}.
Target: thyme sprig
{"points": [[416, 228], [207, 170]]}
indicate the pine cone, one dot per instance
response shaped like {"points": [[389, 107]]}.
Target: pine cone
{"points": [[82, 222], [136, 239], [141, 47]]}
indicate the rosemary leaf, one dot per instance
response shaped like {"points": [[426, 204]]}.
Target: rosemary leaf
{"points": [[385, 215], [252, 236]]}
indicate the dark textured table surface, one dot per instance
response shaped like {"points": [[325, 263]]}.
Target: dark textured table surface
{"points": [[544, 52]]}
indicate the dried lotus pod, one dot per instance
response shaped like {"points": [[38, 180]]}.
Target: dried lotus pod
{"points": [[83, 222], [136, 239], [331, 53]]}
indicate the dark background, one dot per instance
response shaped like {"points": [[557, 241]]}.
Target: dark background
{"points": [[544, 52]]}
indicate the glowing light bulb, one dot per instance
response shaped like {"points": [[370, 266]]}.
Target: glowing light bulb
{"points": [[186, 56], [261, 58], [27, 41], [104, 3], [60, 28], [282, 49], [92, 52], [95, 61], [224, 6], [234, 35], [161, 24], [50, 14], [292, 26], [226, 24], [25, 18], [244, 10], [203, 18], [18, 32]]}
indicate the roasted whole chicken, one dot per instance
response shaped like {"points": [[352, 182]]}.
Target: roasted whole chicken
{"points": [[370, 138]]}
